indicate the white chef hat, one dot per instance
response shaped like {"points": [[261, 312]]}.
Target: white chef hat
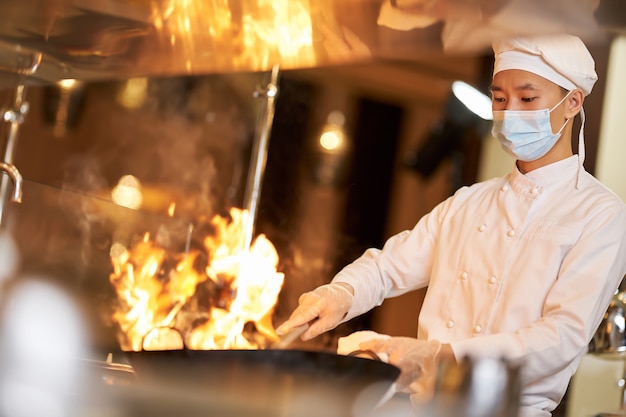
{"points": [[562, 59]]}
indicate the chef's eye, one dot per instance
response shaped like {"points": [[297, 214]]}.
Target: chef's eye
{"points": [[528, 99], [498, 99]]}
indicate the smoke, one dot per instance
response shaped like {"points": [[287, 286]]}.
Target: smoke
{"points": [[187, 145]]}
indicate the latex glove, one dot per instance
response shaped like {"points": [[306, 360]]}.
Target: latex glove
{"points": [[323, 308], [417, 360], [349, 344]]}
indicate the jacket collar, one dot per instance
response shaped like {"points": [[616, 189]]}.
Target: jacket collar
{"points": [[558, 172]]}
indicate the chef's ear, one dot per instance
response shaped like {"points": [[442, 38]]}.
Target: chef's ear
{"points": [[574, 103]]}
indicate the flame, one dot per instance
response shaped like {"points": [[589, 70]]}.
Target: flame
{"points": [[160, 293], [280, 32], [255, 34]]}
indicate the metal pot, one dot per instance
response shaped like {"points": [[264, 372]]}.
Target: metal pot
{"points": [[609, 341], [476, 387], [108, 373], [290, 383]]}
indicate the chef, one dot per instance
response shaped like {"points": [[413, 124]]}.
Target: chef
{"points": [[522, 266]]}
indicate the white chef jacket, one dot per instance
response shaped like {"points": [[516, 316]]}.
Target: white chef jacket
{"points": [[523, 266]]}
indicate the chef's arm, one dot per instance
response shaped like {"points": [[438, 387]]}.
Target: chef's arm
{"points": [[404, 264]]}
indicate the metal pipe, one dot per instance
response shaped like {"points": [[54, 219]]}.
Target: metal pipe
{"points": [[259, 155], [14, 116], [16, 177], [31, 68]]}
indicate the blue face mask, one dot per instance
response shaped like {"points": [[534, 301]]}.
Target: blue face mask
{"points": [[526, 134]]}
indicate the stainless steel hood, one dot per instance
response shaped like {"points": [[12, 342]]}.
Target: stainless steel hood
{"points": [[45, 41]]}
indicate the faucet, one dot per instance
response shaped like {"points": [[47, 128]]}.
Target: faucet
{"points": [[16, 177]]}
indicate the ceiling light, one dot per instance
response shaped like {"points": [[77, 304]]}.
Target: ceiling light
{"points": [[477, 102]]}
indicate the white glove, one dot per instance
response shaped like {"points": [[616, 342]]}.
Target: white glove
{"points": [[327, 305], [350, 344], [417, 360]]}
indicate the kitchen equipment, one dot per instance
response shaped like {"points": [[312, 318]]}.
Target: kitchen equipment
{"points": [[14, 117], [294, 383], [93, 39], [609, 340], [286, 340], [476, 387], [109, 373]]}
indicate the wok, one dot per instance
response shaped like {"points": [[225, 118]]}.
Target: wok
{"points": [[272, 382]]}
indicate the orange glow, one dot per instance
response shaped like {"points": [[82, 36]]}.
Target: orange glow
{"points": [[281, 31], [255, 34], [166, 299]]}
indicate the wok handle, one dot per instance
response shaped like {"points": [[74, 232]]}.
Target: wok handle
{"points": [[370, 354], [290, 337]]}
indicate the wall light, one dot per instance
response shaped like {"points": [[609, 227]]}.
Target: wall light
{"points": [[63, 104], [133, 94], [333, 146], [333, 138]]}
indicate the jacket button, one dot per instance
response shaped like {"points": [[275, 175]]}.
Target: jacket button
{"points": [[510, 233], [492, 280], [464, 276], [478, 329], [450, 324], [482, 228]]}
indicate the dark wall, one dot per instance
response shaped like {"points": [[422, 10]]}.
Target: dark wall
{"points": [[376, 139]]}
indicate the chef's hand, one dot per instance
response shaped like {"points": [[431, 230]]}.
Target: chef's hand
{"points": [[417, 360], [323, 308]]}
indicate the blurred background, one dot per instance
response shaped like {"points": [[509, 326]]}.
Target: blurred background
{"points": [[364, 137]]}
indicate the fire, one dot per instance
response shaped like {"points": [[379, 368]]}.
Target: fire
{"points": [[214, 297], [281, 32], [254, 35]]}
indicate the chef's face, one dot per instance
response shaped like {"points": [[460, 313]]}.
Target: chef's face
{"points": [[523, 90]]}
